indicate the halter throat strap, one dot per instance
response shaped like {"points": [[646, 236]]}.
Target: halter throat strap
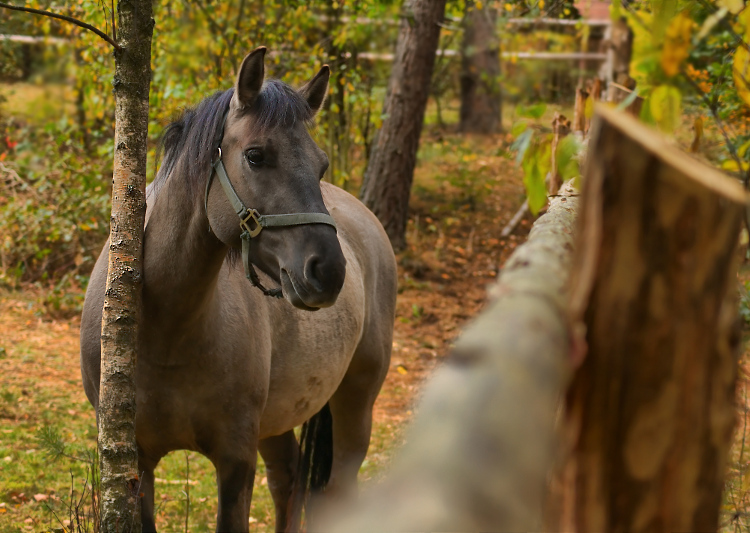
{"points": [[251, 221]]}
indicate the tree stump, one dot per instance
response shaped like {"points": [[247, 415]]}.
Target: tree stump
{"points": [[652, 404], [579, 111]]}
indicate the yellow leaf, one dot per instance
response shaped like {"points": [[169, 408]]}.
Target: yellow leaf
{"points": [[588, 107], [730, 165], [478, 4], [676, 43], [698, 133], [614, 11], [401, 369], [665, 105], [741, 73]]}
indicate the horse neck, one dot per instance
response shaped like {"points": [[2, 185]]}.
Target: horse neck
{"points": [[182, 258]]}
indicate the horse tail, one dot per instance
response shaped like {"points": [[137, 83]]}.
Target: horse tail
{"points": [[314, 467]]}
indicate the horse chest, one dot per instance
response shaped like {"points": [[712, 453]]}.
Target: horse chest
{"points": [[308, 364]]}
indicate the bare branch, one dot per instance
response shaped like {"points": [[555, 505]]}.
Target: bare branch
{"points": [[730, 145], [72, 20]]}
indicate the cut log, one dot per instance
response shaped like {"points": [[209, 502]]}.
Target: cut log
{"points": [[579, 111], [478, 455], [560, 129], [596, 89], [652, 404]]}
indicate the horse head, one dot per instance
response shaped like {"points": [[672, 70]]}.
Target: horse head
{"points": [[274, 168]]}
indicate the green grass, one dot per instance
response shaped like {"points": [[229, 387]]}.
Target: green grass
{"points": [[40, 391]]}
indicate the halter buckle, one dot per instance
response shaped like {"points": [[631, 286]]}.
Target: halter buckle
{"points": [[253, 215]]}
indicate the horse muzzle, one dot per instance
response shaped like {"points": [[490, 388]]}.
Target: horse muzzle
{"points": [[319, 284]]}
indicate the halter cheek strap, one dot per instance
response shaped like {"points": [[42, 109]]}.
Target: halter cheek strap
{"points": [[252, 222]]}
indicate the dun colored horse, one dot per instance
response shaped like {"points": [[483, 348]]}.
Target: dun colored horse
{"points": [[226, 366]]}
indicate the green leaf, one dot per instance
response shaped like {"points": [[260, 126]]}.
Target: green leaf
{"points": [[518, 128], [567, 157], [521, 144], [532, 111], [536, 165], [665, 104], [629, 100]]}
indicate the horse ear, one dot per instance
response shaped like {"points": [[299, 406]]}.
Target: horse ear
{"points": [[250, 78], [316, 90]]}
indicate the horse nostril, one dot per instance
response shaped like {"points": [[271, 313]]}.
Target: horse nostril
{"points": [[314, 273], [324, 275]]}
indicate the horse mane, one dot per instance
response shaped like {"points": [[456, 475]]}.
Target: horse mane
{"points": [[194, 136]]}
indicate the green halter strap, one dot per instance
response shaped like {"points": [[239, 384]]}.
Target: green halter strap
{"points": [[251, 221]]}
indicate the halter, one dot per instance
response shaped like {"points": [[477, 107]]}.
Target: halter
{"points": [[251, 221]]}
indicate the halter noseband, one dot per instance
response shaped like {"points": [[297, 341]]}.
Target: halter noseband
{"points": [[251, 221]]}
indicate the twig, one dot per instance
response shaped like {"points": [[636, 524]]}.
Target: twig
{"points": [[66, 18], [114, 27], [187, 490], [727, 26], [510, 226], [730, 145], [621, 87]]}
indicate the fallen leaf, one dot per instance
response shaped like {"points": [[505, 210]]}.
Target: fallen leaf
{"points": [[41, 497]]}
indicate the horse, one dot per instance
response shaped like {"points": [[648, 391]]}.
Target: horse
{"points": [[226, 366]]}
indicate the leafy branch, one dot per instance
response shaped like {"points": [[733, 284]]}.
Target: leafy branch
{"points": [[66, 18]]}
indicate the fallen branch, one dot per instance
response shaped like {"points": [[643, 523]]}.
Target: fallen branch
{"points": [[513, 222]]}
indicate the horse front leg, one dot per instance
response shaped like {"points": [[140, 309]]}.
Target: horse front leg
{"points": [[235, 474]]}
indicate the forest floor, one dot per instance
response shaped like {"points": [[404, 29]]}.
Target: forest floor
{"points": [[465, 190]]}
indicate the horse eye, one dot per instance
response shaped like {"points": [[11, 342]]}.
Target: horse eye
{"points": [[255, 157]]}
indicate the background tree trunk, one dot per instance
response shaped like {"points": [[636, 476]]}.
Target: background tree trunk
{"points": [[390, 170], [480, 71], [122, 304], [652, 405]]}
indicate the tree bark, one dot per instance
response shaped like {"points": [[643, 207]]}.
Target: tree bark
{"points": [[579, 111], [479, 452], [390, 170], [480, 71], [652, 405], [118, 451], [621, 43]]}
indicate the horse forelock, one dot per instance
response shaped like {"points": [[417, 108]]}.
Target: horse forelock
{"points": [[192, 138], [278, 105], [194, 135]]}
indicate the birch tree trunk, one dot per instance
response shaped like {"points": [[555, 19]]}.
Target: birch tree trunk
{"points": [[389, 173], [120, 486], [652, 405]]}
